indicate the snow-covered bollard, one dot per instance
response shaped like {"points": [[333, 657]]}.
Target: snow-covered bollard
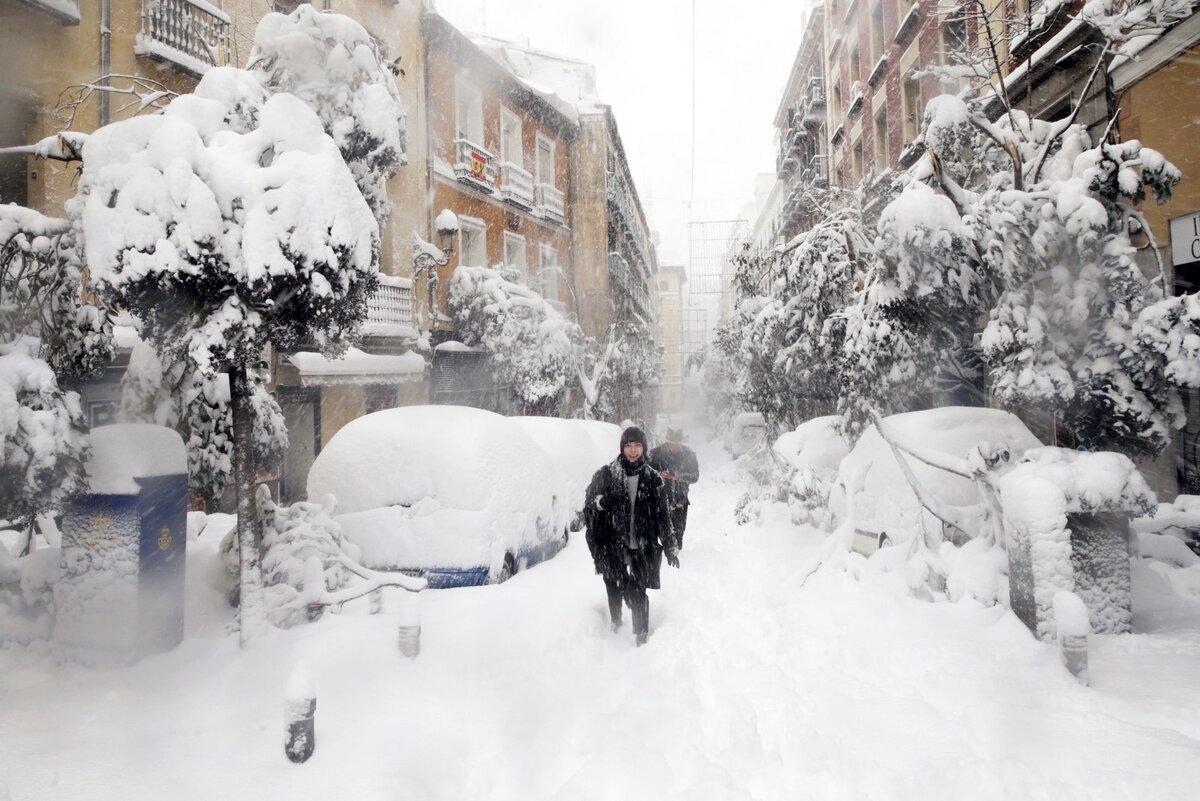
{"points": [[410, 625], [375, 598], [1072, 621], [299, 709]]}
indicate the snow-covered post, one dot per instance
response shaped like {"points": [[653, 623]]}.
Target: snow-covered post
{"points": [[1071, 619], [410, 625], [1066, 518], [299, 710]]}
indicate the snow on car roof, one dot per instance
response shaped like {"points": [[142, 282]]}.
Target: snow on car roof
{"points": [[469, 459]]}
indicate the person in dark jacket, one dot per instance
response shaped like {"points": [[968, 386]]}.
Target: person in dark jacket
{"points": [[629, 530], [677, 465]]}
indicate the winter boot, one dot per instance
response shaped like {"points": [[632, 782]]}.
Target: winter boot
{"points": [[614, 605], [640, 605]]}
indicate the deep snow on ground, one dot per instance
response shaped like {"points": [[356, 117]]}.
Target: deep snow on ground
{"points": [[756, 684]]}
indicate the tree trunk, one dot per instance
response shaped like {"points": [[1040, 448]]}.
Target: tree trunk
{"points": [[251, 604]]}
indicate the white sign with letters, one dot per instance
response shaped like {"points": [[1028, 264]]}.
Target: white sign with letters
{"points": [[1185, 238]]}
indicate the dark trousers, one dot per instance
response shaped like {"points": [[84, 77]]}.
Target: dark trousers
{"points": [[638, 602], [679, 522]]}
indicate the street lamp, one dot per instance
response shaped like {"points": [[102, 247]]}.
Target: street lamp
{"points": [[428, 257]]}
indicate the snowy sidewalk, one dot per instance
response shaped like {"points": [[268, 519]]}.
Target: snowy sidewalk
{"points": [[751, 687]]}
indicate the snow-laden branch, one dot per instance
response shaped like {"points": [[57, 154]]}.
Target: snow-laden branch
{"points": [[314, 592], [63, 146]]}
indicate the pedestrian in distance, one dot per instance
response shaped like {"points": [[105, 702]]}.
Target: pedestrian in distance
{"points": [[677, 465], [629, 531]]}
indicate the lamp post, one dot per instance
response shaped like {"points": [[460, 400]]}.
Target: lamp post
{"points": [[428, 257]]}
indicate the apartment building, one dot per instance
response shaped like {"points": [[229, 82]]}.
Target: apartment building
{"points": [[802, 159], [499, 159], [614, 264]]}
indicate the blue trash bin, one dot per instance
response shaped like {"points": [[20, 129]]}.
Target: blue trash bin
{"points": [[120, 593]]}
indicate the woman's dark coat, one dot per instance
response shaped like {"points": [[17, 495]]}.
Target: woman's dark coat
{"points": [[608, 529]]}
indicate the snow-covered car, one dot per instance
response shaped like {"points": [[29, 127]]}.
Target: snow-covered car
{"points": [[746, 430], [458, 495], [578, 448], [885, 508]]}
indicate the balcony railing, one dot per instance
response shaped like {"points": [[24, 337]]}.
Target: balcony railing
{"points": [[618, 196], [814, 106], [194, 35], [623, 278], [390, 308], [473, 165], [516, 185], [551, 203]]}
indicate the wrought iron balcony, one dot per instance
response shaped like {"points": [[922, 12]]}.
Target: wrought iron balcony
{"points": [[516, 185], [473, 165], [551, 203], [814, 106], [620, 199], [194, 35]]}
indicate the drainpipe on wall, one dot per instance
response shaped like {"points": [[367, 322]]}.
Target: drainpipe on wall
{"points": [[431, 194], [105, 56]]}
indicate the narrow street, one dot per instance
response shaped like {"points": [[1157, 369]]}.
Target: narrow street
{"points": [[752, 686]]}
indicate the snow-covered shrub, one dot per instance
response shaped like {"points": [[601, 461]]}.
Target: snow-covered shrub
{"points": [[27, 595], [768, 479], [814, 450], [534, 349], [292, 536], [49, 340]]}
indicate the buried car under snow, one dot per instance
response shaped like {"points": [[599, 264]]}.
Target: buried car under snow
{"points": [[884, 505], [458, 495]]}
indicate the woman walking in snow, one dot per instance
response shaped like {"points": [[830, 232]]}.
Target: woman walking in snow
{"points": [[629, 529]]}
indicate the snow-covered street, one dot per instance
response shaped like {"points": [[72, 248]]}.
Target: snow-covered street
{"points": [[754, 684]]}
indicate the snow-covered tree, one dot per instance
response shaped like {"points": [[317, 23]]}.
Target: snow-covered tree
{"points": [[632, 371], [49, 341], [331, 63], [198, 408], [534, 349], [222, 239]]}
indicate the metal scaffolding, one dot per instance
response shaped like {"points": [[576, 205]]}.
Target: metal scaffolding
{"points": [[711, 246]]}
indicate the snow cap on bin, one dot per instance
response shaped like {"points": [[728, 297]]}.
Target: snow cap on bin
{"points": [[633, 434]]}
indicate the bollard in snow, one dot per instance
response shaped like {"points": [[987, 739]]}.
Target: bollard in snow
{"points": [[1071, 620], [299, 708], [375, 598], [410, 625]]}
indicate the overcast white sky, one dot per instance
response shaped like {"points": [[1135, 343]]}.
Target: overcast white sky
{"points": [[642, 50]]}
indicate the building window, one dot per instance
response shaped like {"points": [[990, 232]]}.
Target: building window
{"points": [[468, 117], [511, 147], [514, 255], [910, 102], [548, 270], [856, 156], [955, 44], [837, 102], [878, 48], [882, 161], [545, 160], [472, 242], [855, 67]]}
